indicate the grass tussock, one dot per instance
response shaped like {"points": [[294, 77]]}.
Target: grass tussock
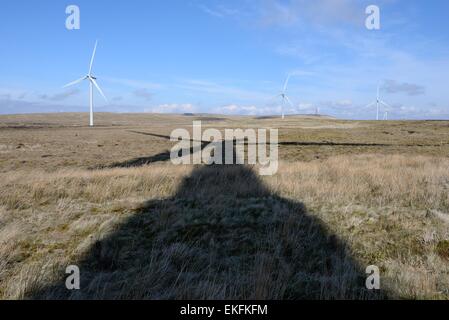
{"points": [[371, 180]]}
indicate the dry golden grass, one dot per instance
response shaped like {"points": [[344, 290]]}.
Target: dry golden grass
{"points": [[165, 231]]}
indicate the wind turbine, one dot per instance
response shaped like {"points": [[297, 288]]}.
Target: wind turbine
{"points": [[284, 96], [378, 102], [92, 83]]}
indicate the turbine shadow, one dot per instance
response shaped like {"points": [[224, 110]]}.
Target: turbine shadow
{"points": [[223, 235], [136, 162], [142, 161], [329, 143]]}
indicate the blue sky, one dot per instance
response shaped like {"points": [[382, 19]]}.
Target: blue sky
{"points": [[227, 56]]}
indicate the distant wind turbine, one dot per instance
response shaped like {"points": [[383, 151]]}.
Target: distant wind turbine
{"points": [[284, 96], [92, 83], [378, 102]]}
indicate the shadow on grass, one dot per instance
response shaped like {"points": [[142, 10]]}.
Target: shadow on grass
{"points": [[164, 156], [329, 143], [222, 235], [142, 161]]}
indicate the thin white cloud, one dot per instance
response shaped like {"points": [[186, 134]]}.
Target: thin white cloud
{"points": [[143, 93], [239, 109], [210, 11], [172, 108], [60, 96], [219, 11], [22, 96], [222, 90], [137, 84], [305, 12], [411, 89]]}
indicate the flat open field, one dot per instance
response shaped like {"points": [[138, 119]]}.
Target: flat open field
{"points": [[348, 194]]}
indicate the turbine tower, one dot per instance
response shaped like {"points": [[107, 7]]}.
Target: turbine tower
{"points": [[284, 96], [378, 102], [92, 83]]}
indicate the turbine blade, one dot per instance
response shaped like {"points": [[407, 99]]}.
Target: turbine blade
{"points": [[385, 104], [99, 90], [369, 105], [92, 59], [286, 83], [74, 82], [288, 100]]}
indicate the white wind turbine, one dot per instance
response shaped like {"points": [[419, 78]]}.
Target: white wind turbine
{"points": [[92, 82], [378, 102], [284, 96]]}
